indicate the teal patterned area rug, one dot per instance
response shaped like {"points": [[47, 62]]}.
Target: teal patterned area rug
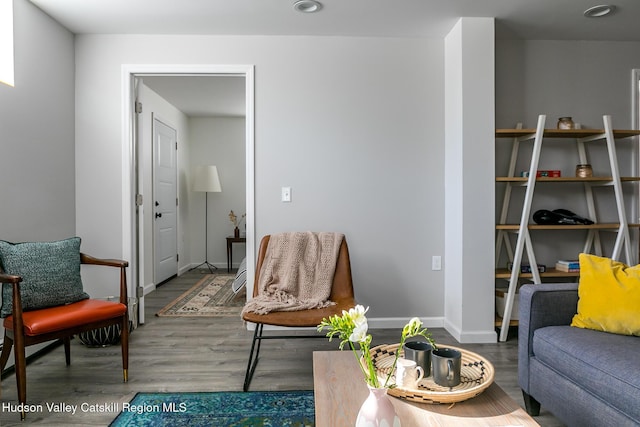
{"points": [[219, 409]]}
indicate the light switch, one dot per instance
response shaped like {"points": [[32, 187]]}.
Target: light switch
{"points": [[436, 262], [286, 194]]}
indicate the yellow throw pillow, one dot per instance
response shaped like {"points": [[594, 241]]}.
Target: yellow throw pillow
{"points": [[609, 296]]}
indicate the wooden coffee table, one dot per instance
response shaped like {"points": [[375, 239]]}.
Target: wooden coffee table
{"points": [[340, 389]]}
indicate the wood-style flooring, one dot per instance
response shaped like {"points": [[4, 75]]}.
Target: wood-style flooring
{"points": [[193, 354]]}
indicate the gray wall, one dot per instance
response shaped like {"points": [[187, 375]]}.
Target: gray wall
{"points": [[37, 131], [582, 79], [353, 125], [218, 141]]}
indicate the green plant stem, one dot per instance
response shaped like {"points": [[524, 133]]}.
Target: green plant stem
{"points": [[395, 361], [373, 375], [355, 353]]}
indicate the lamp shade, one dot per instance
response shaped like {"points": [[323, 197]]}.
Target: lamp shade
{"points": [[206, 179]]}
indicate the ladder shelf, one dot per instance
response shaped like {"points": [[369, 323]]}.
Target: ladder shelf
{"points": [[523, 243]]}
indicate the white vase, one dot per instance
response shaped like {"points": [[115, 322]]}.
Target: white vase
{"points": [[377, 410]]}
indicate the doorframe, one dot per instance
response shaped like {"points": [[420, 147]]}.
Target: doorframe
{"points": [[130, 249]]}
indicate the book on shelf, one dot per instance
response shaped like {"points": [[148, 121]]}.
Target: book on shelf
{"points": [[571, 263], [568, 267], [543, 173], [526, 268]]}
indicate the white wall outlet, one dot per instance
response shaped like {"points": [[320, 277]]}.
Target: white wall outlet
{"points": [[286, 194], [436, 262]]}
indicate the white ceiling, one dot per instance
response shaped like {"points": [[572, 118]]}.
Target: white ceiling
{"points": [[522, 19], [527, 19], [198, 96]]}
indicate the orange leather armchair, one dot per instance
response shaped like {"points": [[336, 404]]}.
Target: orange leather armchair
{"points": [[341, 293], [25, 328]]}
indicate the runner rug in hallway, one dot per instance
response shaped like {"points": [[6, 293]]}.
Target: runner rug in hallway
{"points": [[212, 296], [220, 409]]}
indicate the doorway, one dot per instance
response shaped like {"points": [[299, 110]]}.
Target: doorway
{"points": [[134, 201]]}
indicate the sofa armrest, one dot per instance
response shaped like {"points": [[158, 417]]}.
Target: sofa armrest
{"points": [[541, 305]]}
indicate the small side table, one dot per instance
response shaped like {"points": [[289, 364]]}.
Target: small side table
{"points": [[230, 241]]}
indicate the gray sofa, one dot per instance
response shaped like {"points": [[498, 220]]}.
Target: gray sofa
{"points": [[583, 377]]}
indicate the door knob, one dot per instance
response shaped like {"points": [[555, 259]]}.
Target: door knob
{"points": [[158, 215]]}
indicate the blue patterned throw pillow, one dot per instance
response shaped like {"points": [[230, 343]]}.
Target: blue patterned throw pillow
{"points": [[50, 273]]}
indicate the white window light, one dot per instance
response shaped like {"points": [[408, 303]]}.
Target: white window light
{"points": [[6, 42]]}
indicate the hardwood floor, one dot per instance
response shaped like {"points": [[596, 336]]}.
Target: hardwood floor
{"points": [[192, 354]]}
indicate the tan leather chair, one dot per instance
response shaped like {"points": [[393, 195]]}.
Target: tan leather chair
{"points": [[341, 293]]}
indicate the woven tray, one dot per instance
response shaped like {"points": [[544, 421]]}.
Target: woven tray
{"points": [[476, 375]]}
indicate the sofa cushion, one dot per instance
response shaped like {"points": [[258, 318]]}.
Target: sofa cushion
{"points": [[50, 273], [605, 365], [609, 296]]}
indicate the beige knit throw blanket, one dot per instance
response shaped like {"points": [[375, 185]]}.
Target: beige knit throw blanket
{"points": [[297, 272]]}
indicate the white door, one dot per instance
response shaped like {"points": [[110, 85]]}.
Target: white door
{"points": [[165, 209]]}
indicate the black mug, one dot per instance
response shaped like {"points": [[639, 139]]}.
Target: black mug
{"points": [[447, 363], [420, 352]]}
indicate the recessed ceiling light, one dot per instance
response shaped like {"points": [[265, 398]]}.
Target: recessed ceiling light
{"points": [[599, 11], [307, 6]]}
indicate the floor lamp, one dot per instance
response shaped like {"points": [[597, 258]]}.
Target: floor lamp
{"points": [[206, 179]]}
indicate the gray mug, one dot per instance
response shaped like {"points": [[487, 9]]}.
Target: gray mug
{"points": [[420, 352], [446, 366]]}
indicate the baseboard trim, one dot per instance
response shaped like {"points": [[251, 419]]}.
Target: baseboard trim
{"points": [[471, 337], [222, 267], [148, 288], [400, 322], [467, 337], [374, 323]]}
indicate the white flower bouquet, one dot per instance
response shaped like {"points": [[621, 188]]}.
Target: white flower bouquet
{"points": [[352, 327]]}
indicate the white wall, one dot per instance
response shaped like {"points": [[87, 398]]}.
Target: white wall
{"points": [[469, 179], [353, 125], [218, 141]]}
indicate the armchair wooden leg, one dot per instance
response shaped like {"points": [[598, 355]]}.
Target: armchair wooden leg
{"points": [[253, 357], [67, 350], [7, 344], [21, 371], [124, 342]]}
